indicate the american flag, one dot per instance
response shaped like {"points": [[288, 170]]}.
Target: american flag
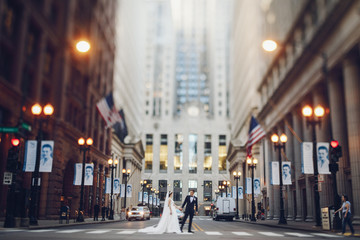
{"points": [[256, 133], [107, 110]]}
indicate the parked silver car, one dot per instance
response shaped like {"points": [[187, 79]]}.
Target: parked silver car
{"points": [[139, 213]]}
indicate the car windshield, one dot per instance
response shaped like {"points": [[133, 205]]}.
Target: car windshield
{"points": [[135, 209]]}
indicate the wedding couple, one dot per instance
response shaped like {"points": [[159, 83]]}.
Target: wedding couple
{"points": [[169, 221]]}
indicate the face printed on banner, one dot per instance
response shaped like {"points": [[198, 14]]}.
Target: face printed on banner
{"points": [[323, 154], [116, 185], [286, 171]]}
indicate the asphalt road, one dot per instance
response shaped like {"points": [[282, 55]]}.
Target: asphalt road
{"points": [[203, 227]]}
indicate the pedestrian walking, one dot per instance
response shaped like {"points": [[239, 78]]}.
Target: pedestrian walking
{"points": [[96, 212], [103, 212], [346, 213]]}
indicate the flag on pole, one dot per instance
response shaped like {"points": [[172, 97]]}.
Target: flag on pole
{"points": [[120, 127], [256, 133], [107, 110]]}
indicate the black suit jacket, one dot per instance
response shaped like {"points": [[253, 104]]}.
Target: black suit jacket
{"points": [[190, 205]]}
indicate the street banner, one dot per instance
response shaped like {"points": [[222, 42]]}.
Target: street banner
{"points": [[322, 150], [307, 165], [108, 185], [140, 197], [122, 190], [241, 192], [233, 192], [89, 174], [248, 186], [117, 186], [46, 157], [77, 174], [286, 173], [158, 201], [275, 178], [30, 156], [129, 190], [223, 194], [145, 197], [150, 199], [257, 187]]}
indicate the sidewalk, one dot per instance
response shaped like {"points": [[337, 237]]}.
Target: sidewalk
{"points": [[308, 226], [43, 224]]}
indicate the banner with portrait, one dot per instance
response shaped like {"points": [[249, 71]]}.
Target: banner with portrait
{"points": [[128, 190], [46, 157], [322, 152], [116, 186], [248, 186], [158, 201], [275, 178], [89, 174], [108, 185], [150, 199], [233, 192], [146, 197], [30, 156], [307, 165], [257, 186], [241, 192], [286, 173]]}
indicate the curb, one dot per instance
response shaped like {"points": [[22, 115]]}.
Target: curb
{"points": [[65, 225]]}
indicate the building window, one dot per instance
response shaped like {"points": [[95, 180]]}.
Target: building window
{"points": [[193, 186], [207, 191], [222, 153], [177, 190], [207, 154], [162, 189], [178, 156], [163, 153], [192, 153], [149, 153]]}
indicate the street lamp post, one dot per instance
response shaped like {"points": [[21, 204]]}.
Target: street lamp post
{"points": [[237, 176], [41, 114], [112, 165], [252, 164], [143, 185], [279, 143], [84, 147], [221, 189], [313, 120], [157, 195], [226, 184], [148, 188], [152, 201], [126, 175]]}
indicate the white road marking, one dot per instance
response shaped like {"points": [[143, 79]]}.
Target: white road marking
{"points": [[325, 235], [42, 230], [127, 232], [71, 231], [13, 230], [99, 231], [298, 234], [271, 234], [242, 234], [213, 233]]}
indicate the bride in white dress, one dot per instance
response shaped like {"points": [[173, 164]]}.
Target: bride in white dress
{"points": [[168, 222]]}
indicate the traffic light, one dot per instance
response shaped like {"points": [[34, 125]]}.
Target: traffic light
{"points": [[13, 155], [335, 151]]}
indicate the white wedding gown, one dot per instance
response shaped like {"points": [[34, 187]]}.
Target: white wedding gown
{"points": [[168, 222]]}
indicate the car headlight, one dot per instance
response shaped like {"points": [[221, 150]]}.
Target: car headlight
{"points": [[142, 213], [130, 213]]}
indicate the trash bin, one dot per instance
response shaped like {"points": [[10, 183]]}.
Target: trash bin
{"points": [[326, 220], [64, 214]]}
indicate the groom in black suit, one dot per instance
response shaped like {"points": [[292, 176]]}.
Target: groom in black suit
{"points": [[190, 202]]}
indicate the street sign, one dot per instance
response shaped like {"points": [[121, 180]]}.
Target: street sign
{"points": [[9, 129], [7, 178], [26, 126]]}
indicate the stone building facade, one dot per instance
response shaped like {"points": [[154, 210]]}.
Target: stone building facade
{"points": [[39, 64], [317, 63]]}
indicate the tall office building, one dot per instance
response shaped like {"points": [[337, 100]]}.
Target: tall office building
{"points": [[186, 112]]}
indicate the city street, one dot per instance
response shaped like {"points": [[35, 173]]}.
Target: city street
{"points": [[203, 227]]}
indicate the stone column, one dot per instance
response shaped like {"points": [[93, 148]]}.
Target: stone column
{"points": [[276, 188], [308, 185], [352, 102], [338, 124], [297, 126], [289, 151], [270, 188], [323, 135]]}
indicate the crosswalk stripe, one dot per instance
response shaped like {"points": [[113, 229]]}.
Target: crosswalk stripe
{"points": [[213, 233], [298, 234], [13, 230], [271, 234], [325, 235], [99, 231], [41, 230], [127, 232], [70, 231], [242, 234]]}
